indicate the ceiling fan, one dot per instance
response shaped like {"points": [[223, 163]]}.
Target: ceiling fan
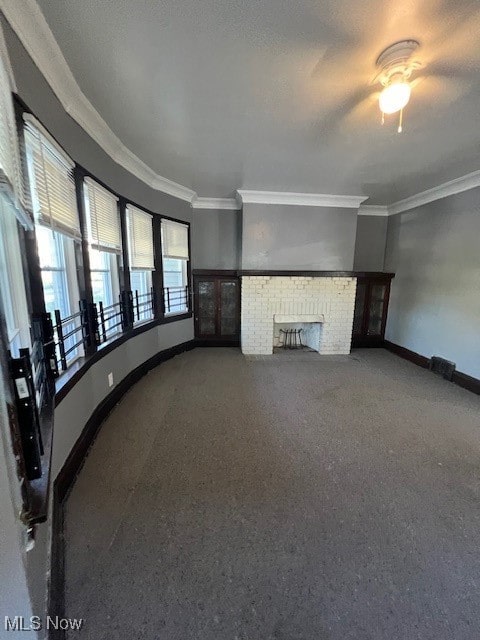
{"points": [[396, 67], [440, 71]]}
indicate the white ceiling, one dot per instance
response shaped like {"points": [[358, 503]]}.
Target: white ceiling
{"points": [[220, 95]]}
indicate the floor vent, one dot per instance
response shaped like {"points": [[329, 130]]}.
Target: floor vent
{"points": [[442, 367]]}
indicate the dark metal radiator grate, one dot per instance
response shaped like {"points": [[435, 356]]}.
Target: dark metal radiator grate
{"points": [[442, 367]]}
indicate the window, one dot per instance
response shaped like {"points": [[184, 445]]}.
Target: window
{"points": [[104, 275], [105, 242], [175, 260], [57, 228], [140, 241], [60, 288], [11, 183], [12, 285]]}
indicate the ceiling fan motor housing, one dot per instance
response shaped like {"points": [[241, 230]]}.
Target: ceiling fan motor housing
{"points": [[396, 60]]}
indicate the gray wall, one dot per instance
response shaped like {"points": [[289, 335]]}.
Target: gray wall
{"points": [[36, 93], [370, 243], [216, 239], [434, 251], [298, 238]]}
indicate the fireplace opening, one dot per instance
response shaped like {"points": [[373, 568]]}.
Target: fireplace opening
{"points": [[292, 338], [297, 332]]}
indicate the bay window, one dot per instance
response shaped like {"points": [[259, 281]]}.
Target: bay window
{"points": [[141, 254], [175, 256]]}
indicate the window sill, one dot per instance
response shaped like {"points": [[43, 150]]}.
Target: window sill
{"points": [[69, 378], [140, 323], [175, 313], [174, 317]]}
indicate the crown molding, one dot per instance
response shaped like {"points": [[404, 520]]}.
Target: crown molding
{"points": [[450, 188], [29, 23], [380, 210], [227, 204], [6, 61], [302, 199]]}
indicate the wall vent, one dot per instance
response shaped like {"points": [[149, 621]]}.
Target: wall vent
{"points": [[442, 367]]}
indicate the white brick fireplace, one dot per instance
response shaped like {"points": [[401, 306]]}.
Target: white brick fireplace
{"points": [[322, 306]]}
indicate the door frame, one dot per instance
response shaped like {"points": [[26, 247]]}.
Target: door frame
{"points": [[216, 275]]}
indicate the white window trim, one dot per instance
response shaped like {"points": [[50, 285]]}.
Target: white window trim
{"points": [[19, 335]]}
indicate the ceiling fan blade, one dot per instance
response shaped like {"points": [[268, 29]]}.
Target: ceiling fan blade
{"points": [[363, 110], [317, 68], [336, 64], [456, 40], [449, 71], [439, 90], [334, 118]]}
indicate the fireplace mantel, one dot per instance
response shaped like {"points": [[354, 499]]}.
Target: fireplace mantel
{"points": [[315, 274], [298, 318]]}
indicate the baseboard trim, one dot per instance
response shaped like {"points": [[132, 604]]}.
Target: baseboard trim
{"points": [[69, 472], [406, 354], [467, 382], [461, 379], [199, 342]]}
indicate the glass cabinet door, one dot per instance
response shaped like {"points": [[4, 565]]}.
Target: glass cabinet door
{"points": [[359, 308], [206, 307], [376, 308], [217, 308], [371, 305], [228, 307]]}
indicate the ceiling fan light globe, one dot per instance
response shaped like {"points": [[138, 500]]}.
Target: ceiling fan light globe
{"points": [[394, 97]]}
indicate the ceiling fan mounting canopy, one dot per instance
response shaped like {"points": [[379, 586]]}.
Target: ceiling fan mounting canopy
{"points": [[396, 59]]}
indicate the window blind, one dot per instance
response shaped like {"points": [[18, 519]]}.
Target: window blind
{"points": [[51, 181], [174, 240], [11, 180], [102, 218], [140, 238]]}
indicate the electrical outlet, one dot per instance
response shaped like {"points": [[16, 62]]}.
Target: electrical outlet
{"points": [[110, 379]]}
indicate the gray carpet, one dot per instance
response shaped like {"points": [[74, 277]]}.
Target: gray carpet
{"points": [[285, 497]]}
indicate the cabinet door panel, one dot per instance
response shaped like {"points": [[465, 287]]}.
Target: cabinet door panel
{"points": [[359, 314], [228, 307], [371, 305], [375, 310], [206, 307]]}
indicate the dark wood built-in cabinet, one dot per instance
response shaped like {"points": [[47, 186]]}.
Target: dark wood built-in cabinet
{"points": [[217, 305], [217, 308], [371, 306]]}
